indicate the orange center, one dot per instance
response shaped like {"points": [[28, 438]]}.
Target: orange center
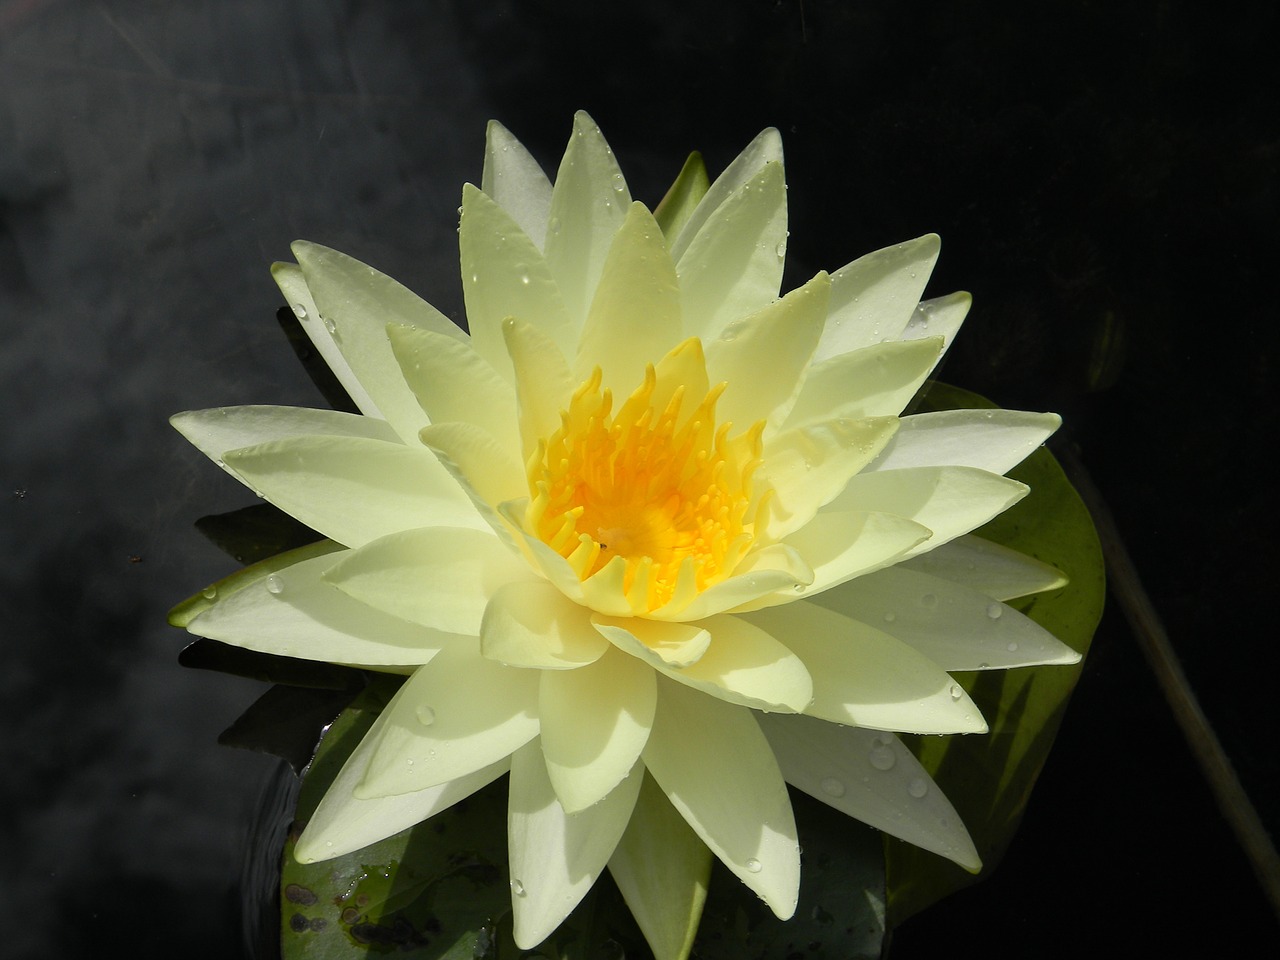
{"points": [[664, 489]]}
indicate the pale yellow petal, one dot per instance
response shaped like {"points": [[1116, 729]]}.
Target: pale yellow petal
{"points": [[595, 722], [726, 784], [865, 677], [447, 375], [529, 623], [440, 577], [514, 179], [554, 856], [353, 489], [733, 267], [588, 204], [762, 357], [453, 717], [877, 381], [504, 275], [634, 316]]}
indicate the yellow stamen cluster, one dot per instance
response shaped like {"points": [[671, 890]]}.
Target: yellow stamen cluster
{"points": [[663, 489]]}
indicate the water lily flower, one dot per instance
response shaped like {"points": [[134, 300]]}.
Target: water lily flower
{"points": [[651, 538]]}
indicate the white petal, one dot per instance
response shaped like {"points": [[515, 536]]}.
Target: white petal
{"points": [[588, 204], [948, 500], [215, 432], [293, 284], [655, 642], [716, 767], [344, 822], [865, 677], [806, 467], [777, 567], [662, 869], [529, 623], [447, 375], [595, 722], [453, 717], [993, 569], [762, 356], [489, 472], [742, 664], [292, 612], [440, 577], [955, 626], [939, 317], [876, 381], [733, 267], [555, 857], [634, 317], [353, 489], [873, 298], [766, 148], [504, 275], [991, 440], [543, 382], [871, 776], [356, 302], [514, 179], [839, 545]]}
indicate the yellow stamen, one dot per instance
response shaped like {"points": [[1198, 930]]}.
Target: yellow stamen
{"points": [[665, 489]]}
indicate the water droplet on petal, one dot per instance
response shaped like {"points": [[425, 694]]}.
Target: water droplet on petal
{"points": [[956, 692], [1012, 646], [753, 865], [330, 325], [994, 610], [209, 592], [275, 585], [918, 787], [517, 887], [890, 616], [781, 249], [833, 787], [618, 183], [882, 756], [300, 311], [426, 716]]}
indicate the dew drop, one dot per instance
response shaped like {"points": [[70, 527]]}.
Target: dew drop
{"points": [[994, 610], [956, 692], [300, 311], [426, 716], [330, 325], [275, 585], [890, 616], [781, 250], [209, 592], [753, 865], [918, 787], [833, 787], [553, 225], [1012, 646], [618, 183], [524, 278], [882, 756], [517, 887]]}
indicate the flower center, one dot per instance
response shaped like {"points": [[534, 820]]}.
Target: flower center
{"points": [[661, 487]]}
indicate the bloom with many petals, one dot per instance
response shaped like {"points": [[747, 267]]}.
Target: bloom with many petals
{"points": [[650, 538]]}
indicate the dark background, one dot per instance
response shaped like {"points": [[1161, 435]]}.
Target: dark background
{"points": [[1104, 179]]}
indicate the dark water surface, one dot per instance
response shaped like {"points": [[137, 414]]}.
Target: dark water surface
{"points": [[1104, 179]]}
